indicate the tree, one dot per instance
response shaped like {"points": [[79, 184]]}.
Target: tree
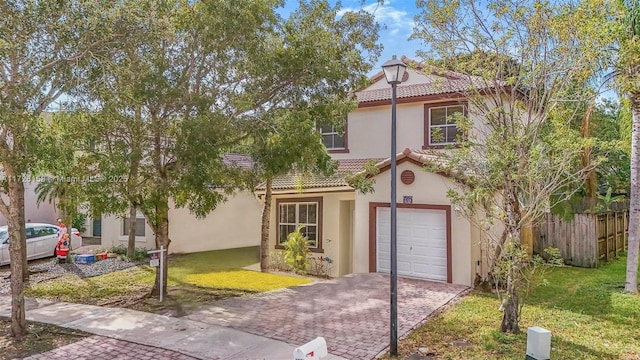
{"points": [[308, 66], [43, 45], [61, 182], [522, 150], [628, 74], [171, 105], [611, 126]]}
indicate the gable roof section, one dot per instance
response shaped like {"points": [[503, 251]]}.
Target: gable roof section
{"points": [[438, 84], [421, 158], [346, 167]]}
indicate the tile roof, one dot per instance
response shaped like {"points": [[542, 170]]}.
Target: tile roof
{"points": [[436, 163], [438, 86], [346, 167], [437, 83], [238, 160]]}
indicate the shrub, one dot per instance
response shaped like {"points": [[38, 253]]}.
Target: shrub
{"points": [[297, 251], [321, 266], [78, 222], [277, 262], [121, 251]]}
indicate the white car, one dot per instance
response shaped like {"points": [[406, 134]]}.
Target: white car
{"points": [[42, 240]]}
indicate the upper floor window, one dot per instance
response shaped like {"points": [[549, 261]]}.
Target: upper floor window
{"points": [[440, 124], [331, 137]]}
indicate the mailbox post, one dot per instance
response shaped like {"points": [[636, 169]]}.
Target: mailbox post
{"points": [[157, 258]]}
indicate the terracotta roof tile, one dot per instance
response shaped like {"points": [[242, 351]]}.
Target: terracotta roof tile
{"points": [[438, 82], [346, 167], [436, 85], [238, 160]]}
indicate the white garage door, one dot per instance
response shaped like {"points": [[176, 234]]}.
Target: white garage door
{"points": [[422, 242]]}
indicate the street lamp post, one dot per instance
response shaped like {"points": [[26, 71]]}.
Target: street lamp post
{"points": [[394, 70]]}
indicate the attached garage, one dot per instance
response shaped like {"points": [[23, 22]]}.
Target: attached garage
{"points": [[424, 240], [435, 242]]}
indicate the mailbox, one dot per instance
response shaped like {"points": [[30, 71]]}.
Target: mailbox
{"points": [[315, 349], [538, 343]]}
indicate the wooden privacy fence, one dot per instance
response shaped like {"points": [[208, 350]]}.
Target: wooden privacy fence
{"points": [[587, 239]]}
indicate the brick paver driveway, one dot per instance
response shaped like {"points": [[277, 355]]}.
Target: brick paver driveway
{"points": [[100, 347], [351, 313]]}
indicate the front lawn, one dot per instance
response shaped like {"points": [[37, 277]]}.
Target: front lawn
{"points": [[586, 311], [192, 277]]}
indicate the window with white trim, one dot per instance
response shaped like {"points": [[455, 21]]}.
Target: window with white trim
{"points": [[295, 214], [331, 138], [442, 124]]}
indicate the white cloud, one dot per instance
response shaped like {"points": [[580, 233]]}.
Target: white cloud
{"points": [[394, 19]]}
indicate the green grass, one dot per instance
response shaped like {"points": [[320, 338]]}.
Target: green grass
{"points": [[96, 290], [586, 310], [220, 269], [223, 269]]}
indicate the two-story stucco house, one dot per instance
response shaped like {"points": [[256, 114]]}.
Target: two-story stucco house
{"points": [[352, 228]]}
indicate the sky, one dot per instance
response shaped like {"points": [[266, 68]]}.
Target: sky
{"points": [[396, 19], [396, 24]]}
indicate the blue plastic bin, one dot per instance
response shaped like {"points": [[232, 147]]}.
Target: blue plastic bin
{"points": [[85, 259]]}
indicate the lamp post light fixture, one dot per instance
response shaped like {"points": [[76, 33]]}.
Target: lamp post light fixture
{"points": [[394, 71]]}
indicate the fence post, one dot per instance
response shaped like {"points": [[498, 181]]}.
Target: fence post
{"points": [[606, 237], [615, 235]]}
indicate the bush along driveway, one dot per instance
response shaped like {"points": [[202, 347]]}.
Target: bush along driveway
{"points": [[586, 310], [193, 279]]}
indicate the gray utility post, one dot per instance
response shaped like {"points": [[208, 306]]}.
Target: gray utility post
{"points": [[394, 71]]}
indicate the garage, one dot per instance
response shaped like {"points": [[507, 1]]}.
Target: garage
{"points": [[423, 241]]}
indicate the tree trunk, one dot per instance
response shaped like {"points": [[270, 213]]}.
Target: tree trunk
{"points": [[131, 248], [631, 283], [264, 235], [18, 257], [18, 197], [591, 181], [131, 188], [162, 239], [511, 305]]}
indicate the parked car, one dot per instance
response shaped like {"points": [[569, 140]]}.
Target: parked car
{"points": [[41, 241]]}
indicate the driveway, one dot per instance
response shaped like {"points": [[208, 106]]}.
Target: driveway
{"points": [[351, 313]]}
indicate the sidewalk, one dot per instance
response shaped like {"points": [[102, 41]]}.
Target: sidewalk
{"points": [[189, 337]]}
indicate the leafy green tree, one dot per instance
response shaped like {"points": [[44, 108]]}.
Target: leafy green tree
{"points": [[308, 66], [63, 182], [521, 149], [43, 47], [171, 104], [609, 125], [479, 62], [628, 71]]}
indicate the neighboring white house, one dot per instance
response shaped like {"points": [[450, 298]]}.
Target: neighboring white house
{"points": [[234, 223], [38, 213]]}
